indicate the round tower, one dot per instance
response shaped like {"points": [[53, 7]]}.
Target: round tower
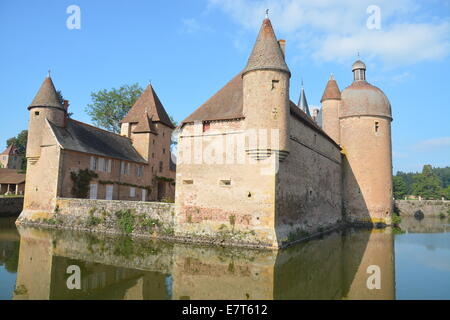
{"points": [[365, 121], [331, 100], [45, 105], [266, 94]]}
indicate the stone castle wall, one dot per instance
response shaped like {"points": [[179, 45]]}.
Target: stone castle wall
{"points": [[430, 208]]}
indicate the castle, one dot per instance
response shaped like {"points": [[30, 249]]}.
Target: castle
{"points": [[135, 165], [252, 166], [253, 162]]}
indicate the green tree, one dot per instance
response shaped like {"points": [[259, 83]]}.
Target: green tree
{"points": [[400, 188], [108, 107], [427, 184], [19, 141]]}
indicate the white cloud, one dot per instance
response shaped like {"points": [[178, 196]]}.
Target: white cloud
{"points": [[432, 144], [191, 25], [334, 30]]}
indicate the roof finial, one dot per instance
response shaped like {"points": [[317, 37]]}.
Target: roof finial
{"points": [[358, 54], [48, 75], [331, 76], [302, 82], [267, 13]]}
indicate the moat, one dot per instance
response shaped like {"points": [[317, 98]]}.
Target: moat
{"points": [[414, 264]]}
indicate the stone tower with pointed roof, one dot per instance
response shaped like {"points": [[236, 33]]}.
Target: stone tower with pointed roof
{"points": [[149, 127], [331, 100]]}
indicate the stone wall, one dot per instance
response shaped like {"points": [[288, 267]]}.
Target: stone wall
{"points": [[10, 206], [134, 218], [430, 208]]}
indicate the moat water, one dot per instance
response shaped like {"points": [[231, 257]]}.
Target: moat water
{"points": [[350, 264]]}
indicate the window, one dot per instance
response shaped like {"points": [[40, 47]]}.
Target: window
{"points": [[109, 192], [108, 164], [225, 182], [36, 113], [93, 191], [124, 167], [164, 151], [139, 171], [94, 163], [160, 166], [377, 126], [101, 164], [206, 126], [188, 181], [153, 141], [153, 155], [132, 192], [275, 84]]}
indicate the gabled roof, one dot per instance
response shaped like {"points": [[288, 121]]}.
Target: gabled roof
{"points": [[46, 96], [11, 176], [331, 91], [81, 137], [148, 103], [302, 103], [10, 150], [267, 53], [226, 104]]}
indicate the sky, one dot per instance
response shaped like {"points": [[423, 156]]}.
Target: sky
{"points": [[190, 49]]}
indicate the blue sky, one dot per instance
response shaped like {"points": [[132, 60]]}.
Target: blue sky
{"points": [[190, 49]]}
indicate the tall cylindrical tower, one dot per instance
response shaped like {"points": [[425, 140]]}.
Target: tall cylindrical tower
{"points": [[331, 100], [365, 135], [266, 94], [45, 105]]}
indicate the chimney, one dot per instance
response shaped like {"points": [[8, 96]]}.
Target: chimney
{"points": [[66, 105], [282, 44]]}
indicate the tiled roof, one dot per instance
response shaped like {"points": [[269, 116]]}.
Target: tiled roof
{"points": [[148, 103], [145, 125], [226, 104], [11, 176], [267, 53], [10, 150], [331, 91], [46, 96], [81, 137]]}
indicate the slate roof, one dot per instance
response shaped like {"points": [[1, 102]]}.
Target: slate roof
{"points": [[331, 90], [267, 53], [302, 103], [148, 103], [81, 137], [46, 96], [11, 176]]}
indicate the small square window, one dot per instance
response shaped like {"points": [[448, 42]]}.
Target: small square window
{"points": [[188, 181], [36, 113]]}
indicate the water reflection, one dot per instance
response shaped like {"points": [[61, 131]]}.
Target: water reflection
{"points": [[333, 267]]}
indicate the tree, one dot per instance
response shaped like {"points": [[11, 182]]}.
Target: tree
{"points": [[400, 187], [19, 141], [446, 193], [427, 184], [108, 107]]}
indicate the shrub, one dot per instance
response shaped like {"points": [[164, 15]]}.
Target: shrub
{"points": [[125, 220]]}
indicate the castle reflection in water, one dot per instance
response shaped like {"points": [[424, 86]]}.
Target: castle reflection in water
{"points": [[332, 267]]}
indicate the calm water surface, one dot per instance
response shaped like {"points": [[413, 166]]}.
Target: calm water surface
{"points": [[413, 265]]}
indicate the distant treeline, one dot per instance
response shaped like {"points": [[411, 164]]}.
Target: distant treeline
{"points": [[431, 183]]}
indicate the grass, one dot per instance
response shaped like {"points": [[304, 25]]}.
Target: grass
{"points": [[125, 220]]}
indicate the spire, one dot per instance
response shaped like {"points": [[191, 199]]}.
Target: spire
{"points": [[46, 96], [331, 90], [267, 53], [150, 105], [302, 103]]}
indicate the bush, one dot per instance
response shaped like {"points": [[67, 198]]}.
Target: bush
{"points": [[396, 220], [125, 220]]}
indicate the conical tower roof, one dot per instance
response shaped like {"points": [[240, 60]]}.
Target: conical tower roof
{"points": [[302, 103], [267, 53], [331, 90], [148, 103], [46, 96]]}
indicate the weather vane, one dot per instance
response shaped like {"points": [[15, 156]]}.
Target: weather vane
{"points": [[49, 73], [267, 13]]}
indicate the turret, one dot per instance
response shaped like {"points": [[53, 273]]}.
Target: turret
{"points": [[331, 100], [365, 121], [45, 105], [266, 93]]}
